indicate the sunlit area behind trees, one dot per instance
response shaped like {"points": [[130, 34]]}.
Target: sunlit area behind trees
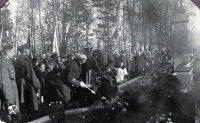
{"points": [[129, 25]]}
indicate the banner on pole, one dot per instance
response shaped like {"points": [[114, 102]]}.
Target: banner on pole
{"points": [[55, 41]]}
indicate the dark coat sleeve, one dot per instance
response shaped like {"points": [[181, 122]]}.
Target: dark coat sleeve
{"points": [[30, 75], [111, 61], [73, 74]]}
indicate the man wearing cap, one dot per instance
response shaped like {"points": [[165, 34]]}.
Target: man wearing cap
{"points": [[71, 75], [9, 93], [27, 82]]}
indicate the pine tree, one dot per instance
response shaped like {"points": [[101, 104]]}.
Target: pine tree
{"points": [[77, 14], [6, 24], [106, 20]]}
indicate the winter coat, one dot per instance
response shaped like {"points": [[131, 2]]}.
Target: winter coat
{"points": [[27, 82]]}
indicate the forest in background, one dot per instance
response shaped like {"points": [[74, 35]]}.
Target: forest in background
{"points": [[128, 25]]}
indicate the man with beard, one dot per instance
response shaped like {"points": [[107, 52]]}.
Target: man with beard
{"points": [[27, 82]]}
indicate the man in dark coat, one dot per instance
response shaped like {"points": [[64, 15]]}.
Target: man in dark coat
{"points": [[118, 60], [41, 75], [27, 82], [71, 76], [8, 88], [141, 62], [105, 64]]}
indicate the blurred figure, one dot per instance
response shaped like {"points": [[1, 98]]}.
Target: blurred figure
{"points": [[69, 57], [57, 61], [118, 60], [120, 75], [126, 60], [53, 83], [27, 82], [120, 68], [41, 75], [105, 63], [88, 50], [9, 93]]}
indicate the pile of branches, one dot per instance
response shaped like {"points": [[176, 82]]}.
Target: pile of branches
{"points": [[166, 88], [162, 65], [113, 108], [166, 94]]}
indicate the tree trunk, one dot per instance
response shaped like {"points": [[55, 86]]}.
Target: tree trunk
{"points": [[33, 28], [54, 21], [41, 31], [87, 35], [131, 15], [123, 30], [64, 46]]}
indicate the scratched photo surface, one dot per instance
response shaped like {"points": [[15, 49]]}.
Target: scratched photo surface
{"points": [[85, 61]]}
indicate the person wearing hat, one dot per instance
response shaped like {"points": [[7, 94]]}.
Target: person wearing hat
{"points": [[71, 75], [9, 92], [27, 82]]}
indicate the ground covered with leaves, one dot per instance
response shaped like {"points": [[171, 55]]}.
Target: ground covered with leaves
{"points": [[158, 101]]}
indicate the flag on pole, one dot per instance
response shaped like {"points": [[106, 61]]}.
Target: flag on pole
{"points": [[55, 41], [1, 38]]}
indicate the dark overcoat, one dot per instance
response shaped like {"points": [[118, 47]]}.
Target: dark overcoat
{"points": [[55, 89], [73, 71], [27, 82], [71, 76], [8, 85], [104, 61]]}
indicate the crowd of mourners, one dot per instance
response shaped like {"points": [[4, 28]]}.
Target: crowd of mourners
{"points": [[29, 81]]}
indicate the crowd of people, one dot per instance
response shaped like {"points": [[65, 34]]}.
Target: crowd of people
{"points": [[29, 81]]}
